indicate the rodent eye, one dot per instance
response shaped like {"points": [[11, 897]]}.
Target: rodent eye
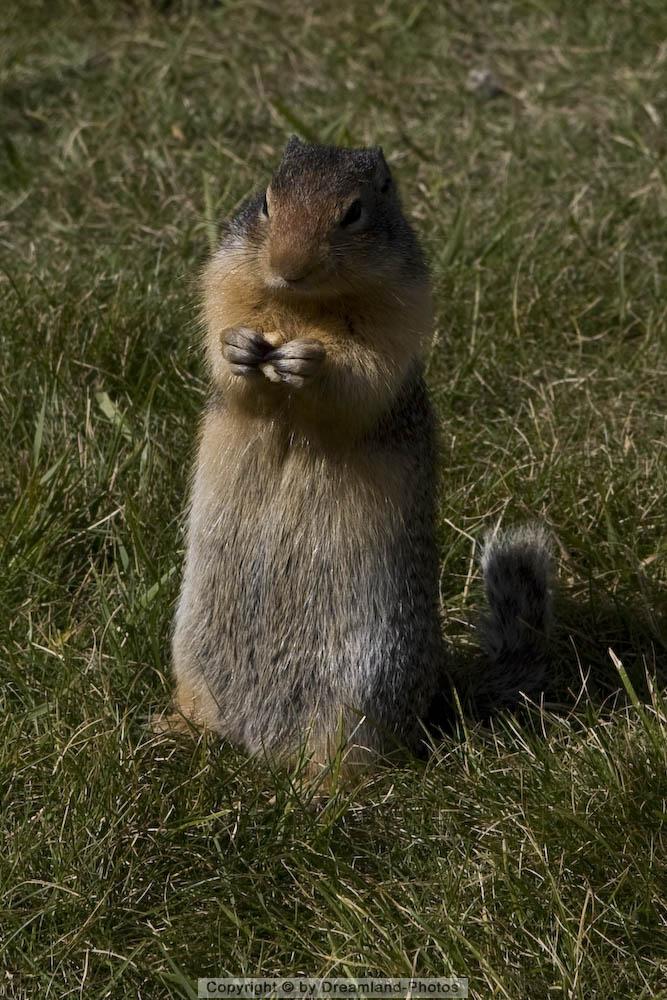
{"points": [[353, 213], [265, 207]]}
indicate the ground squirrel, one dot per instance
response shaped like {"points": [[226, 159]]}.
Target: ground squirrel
{"points": [[309, 606]]}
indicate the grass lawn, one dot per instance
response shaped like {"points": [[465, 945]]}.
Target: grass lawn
{"points": [[529, 856]]}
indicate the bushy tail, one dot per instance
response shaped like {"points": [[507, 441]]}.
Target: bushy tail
{"points": [[515, 630]]}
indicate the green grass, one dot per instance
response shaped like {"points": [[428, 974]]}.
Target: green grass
{"points": [[529, 857]]}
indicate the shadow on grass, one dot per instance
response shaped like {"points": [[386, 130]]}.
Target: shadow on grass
{"points": [[580, 669]]}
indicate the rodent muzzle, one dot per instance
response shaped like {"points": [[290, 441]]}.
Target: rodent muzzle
{"points": [[290, 281], [290, 267], [295, 279]]}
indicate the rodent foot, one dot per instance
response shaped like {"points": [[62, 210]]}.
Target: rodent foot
{"points": [[245, 350], [294, 363]]}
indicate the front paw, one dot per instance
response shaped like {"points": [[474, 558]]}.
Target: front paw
{"points": [[244, 351], [294, 363]]}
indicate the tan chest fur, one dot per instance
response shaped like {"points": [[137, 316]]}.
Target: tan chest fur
{"points": [[392, 324]]}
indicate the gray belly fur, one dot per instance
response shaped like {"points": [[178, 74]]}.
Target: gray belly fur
{"points": [[308, 591]]}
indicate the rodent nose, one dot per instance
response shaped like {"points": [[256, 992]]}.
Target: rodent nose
{"points": [[294, 278], [285, 278], [291, 264]]}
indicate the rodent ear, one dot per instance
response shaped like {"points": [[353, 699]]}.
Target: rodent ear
{"points": [[383, 178], [293, 143]]}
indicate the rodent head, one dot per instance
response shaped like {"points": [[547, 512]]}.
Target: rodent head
{"points": [[330, 223]]}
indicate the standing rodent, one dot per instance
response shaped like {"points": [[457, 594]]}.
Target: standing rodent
{"points": [[309, 604]]}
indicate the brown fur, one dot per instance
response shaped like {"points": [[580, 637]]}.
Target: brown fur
{"points": [[364, 372], [309, 606]]}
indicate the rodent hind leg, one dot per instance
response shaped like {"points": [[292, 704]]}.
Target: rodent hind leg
{"points": [[341, 753], [193, 708]]}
